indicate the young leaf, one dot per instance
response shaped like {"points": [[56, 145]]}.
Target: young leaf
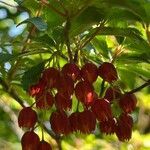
{"points": [[36, 21]]}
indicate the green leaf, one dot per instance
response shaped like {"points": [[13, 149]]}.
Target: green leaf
{"points": [[53, 19], [127, 77], [7, 57], [121, 14], [18, 1], [139, 70], [45, 39], [134, 58], [139, 8], [32, 75], [130, 71], [58, 35], [32, 6], [131, 33], [100, 44], [89, 17], [147, 10], [36, 21]]}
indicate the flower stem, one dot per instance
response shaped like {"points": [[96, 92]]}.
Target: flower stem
{"points": [[66, 35]]}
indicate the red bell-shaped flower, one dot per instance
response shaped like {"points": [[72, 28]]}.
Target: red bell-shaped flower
{"points": [[51, 76], [30, 141], [112, 93], [87, 121], [108, 127], [27, 118], [89, 72], [128, 102], [60, 123], [43, 145], [65, 84], [37, 88], [84, 92], [71, 70], [102, 110], [108, 72], [44, 101], [74, 121], [63, 101], [124, 127]]}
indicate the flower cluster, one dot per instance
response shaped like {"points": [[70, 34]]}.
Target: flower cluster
{"points": [[56, 88]]}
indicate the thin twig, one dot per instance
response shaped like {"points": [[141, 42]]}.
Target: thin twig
{"points": [[140, 87], [59, 144], [66, 35], [75, 59], [48, 131]]}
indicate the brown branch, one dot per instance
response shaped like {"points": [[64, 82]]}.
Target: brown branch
{"points": [[140, 87]]}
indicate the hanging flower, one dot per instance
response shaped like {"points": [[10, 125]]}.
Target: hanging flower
{"points": [[27, 118], [30, 141], [89, 72], [107, 72], [102, 110], [128, 102]]}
